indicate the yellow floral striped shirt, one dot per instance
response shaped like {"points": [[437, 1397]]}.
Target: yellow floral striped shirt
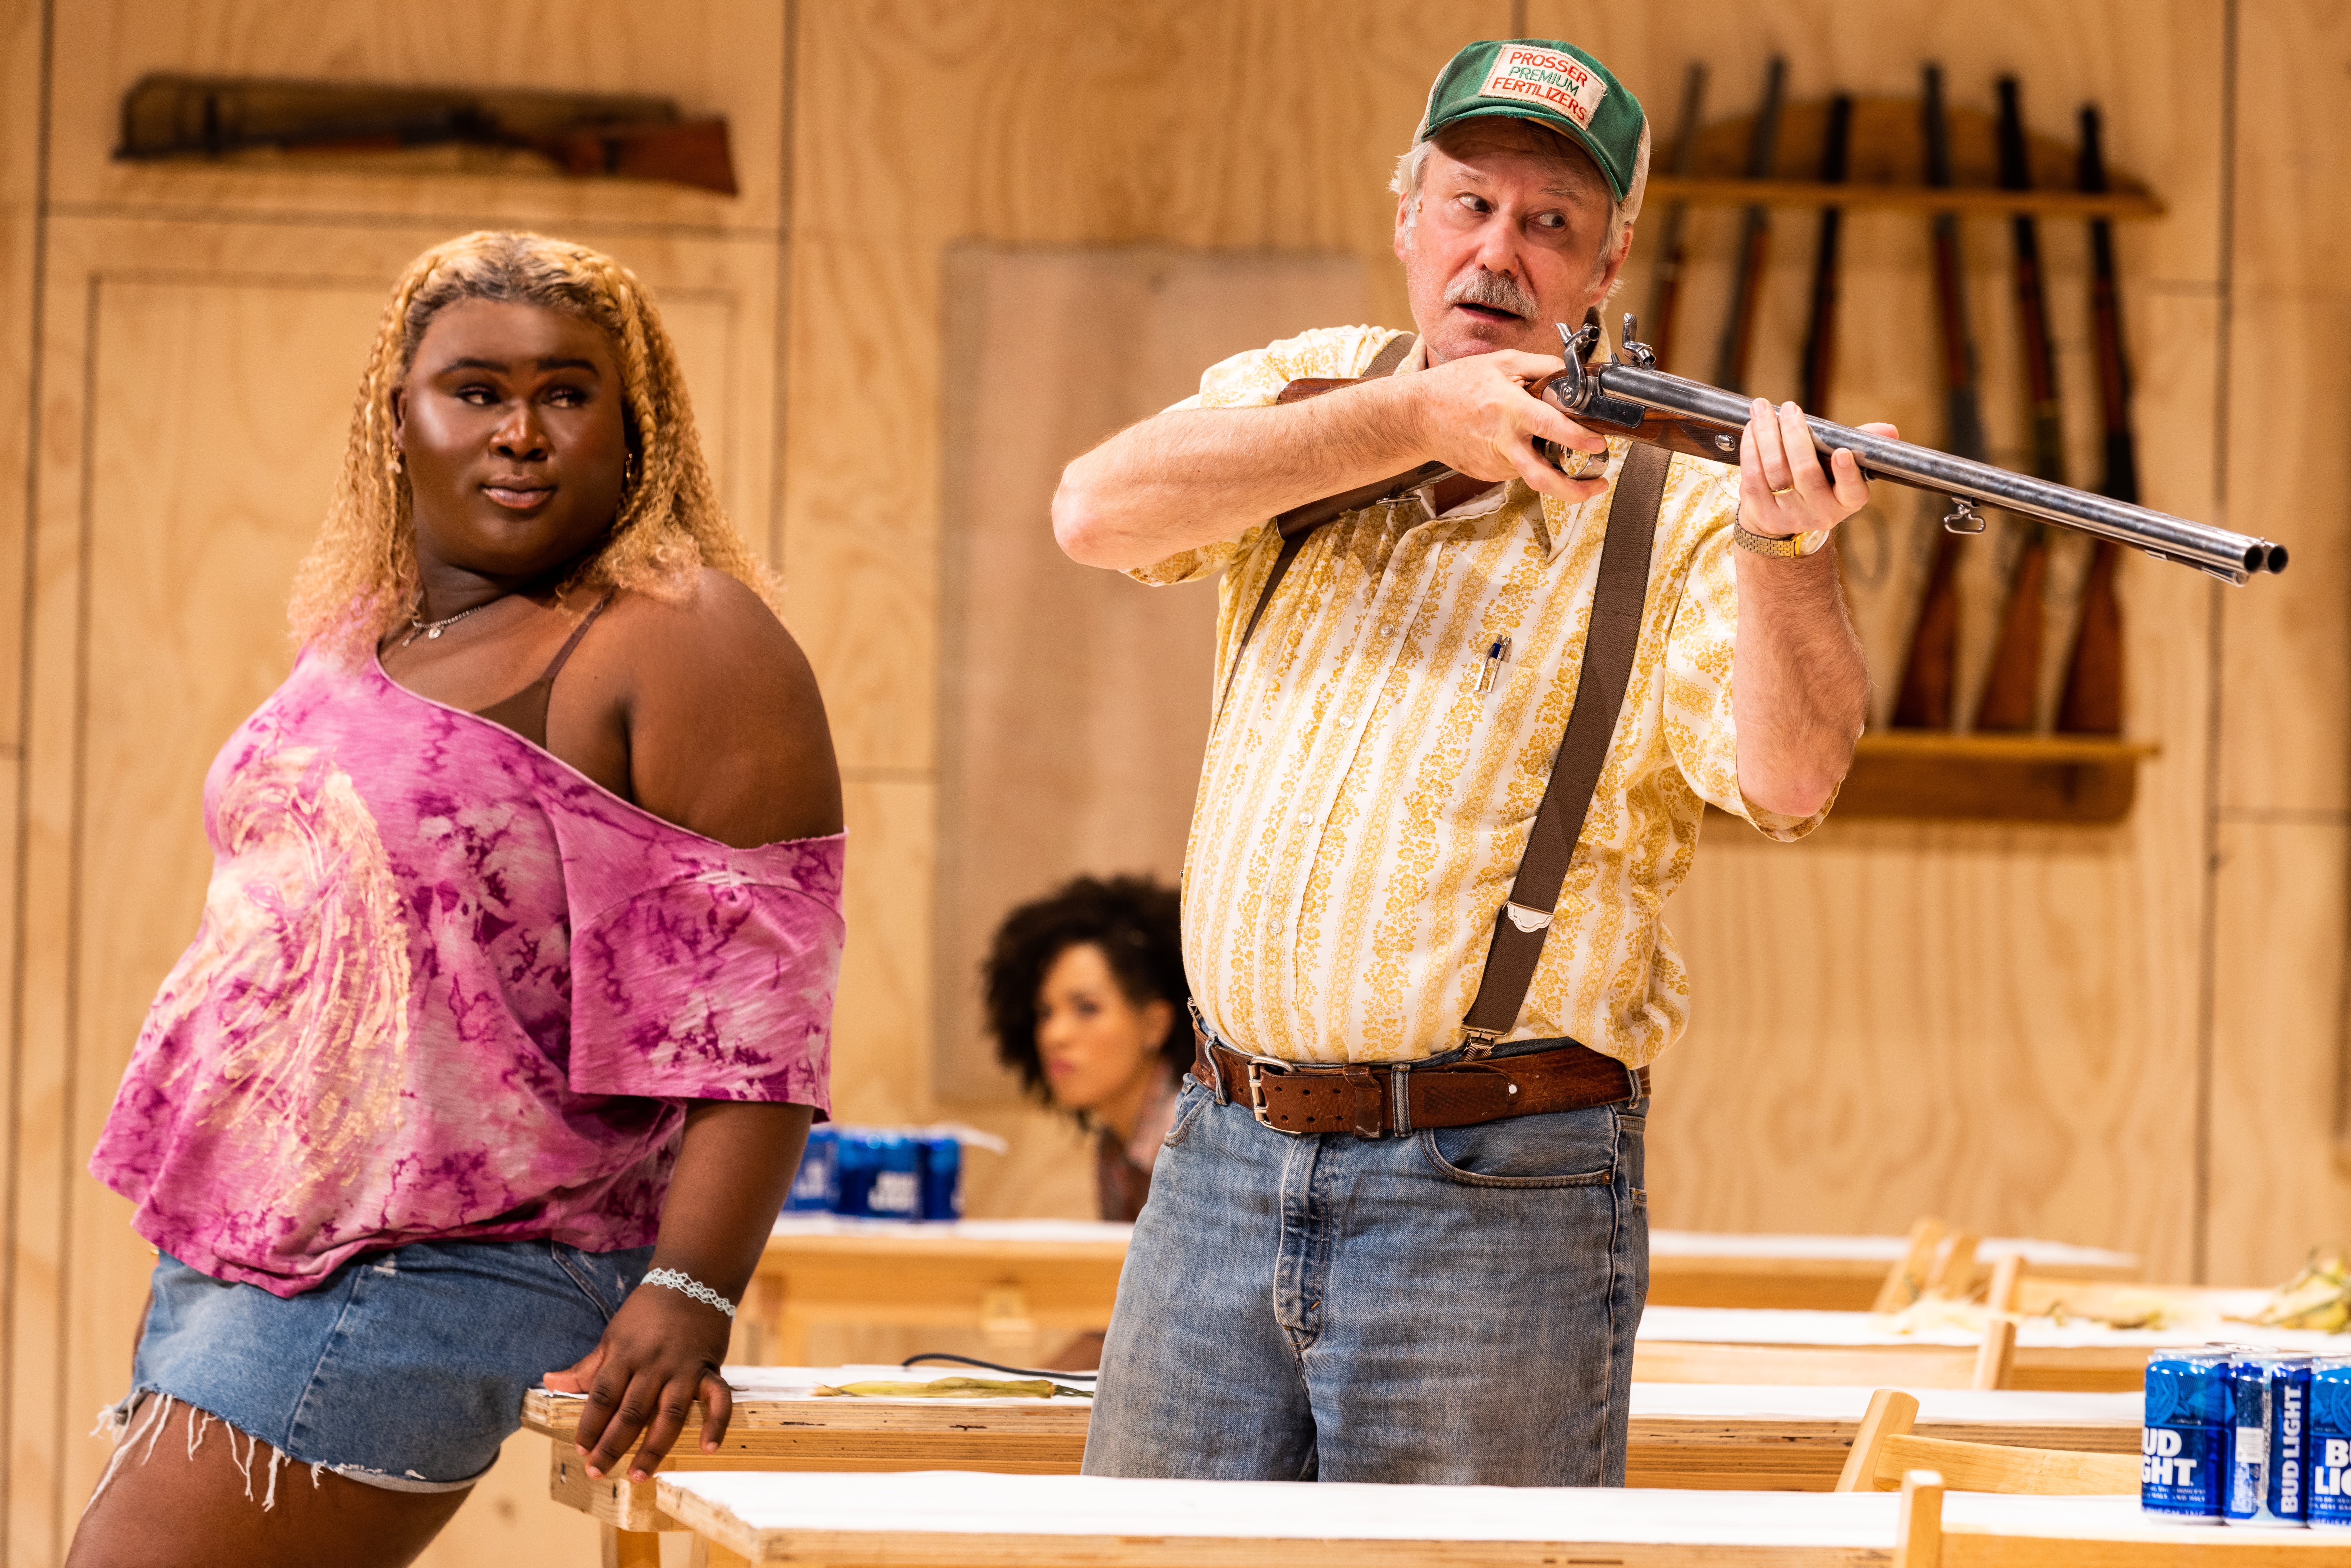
{"points": [[1364, 806]]}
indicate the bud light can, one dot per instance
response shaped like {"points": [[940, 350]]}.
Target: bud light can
{"points": [[2182, 1445], [2330, 1443], [857, 1160], [816, 1186], [2269, 1402], [897, 1189], [942, 1160]]}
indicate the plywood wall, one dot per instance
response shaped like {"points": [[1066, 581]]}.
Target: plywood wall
{"points": [[2128, 1036]]}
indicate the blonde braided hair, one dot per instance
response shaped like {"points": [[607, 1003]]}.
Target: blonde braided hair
{"points": [[360, 581]]}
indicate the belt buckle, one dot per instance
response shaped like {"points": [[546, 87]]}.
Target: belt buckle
{"points": [[1256, 1092]]}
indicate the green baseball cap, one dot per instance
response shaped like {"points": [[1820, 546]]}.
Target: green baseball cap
{"points": [[1549, 82]]}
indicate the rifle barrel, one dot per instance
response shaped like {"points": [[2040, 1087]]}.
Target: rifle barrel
{"points": [[2233, 556]]}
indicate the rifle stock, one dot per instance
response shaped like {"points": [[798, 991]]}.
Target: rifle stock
{"points": [[1754, 237], [2091, 702], [2011, 688], [1673, 251], [1925, 697], [1820, 330]]}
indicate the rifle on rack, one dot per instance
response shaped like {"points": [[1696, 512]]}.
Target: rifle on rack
{"points": [[1754, 237], [1673, 250], [1629, 396], [1820, 331], [2010, 689], [2092, 699], [1930, 668], [627, 136]]}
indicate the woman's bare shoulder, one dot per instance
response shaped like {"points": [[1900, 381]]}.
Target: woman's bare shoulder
{"points": [[726, 728]]}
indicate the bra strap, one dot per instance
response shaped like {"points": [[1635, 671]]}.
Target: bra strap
{"points": [[564, 653]]}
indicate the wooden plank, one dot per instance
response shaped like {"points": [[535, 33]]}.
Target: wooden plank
{"points": [[1983, 1466], [2279, 1074]]}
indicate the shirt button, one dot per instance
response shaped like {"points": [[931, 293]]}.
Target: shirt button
{"points": [[1305, 819], [1277, 928]]}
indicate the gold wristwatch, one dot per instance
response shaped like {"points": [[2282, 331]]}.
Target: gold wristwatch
{"points": [[1780, 548]]}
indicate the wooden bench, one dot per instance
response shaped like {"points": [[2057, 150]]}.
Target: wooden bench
{"points": [[1087, 1521], [1690, 1436]]}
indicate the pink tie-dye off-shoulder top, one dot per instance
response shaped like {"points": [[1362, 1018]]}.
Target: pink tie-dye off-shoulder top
{"points": [[448, 987]]}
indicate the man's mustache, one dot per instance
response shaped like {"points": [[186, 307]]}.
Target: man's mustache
{"points": [[1496, 290]]}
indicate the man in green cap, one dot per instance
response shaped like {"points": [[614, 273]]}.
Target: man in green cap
{"points": [[1397, 1231]]}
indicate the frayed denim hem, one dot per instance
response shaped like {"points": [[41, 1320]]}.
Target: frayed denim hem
{"points": [[130, 1425]]}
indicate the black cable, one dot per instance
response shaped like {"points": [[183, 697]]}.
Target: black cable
{"points": [[999, 1366]]}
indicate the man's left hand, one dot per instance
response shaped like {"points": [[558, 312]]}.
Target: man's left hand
{"points": [[1783, 488]]}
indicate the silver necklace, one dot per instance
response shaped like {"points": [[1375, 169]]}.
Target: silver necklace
{"points": [[431, 630]]}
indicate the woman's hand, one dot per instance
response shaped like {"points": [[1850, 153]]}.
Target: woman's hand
{"points": [[661, 1352]]}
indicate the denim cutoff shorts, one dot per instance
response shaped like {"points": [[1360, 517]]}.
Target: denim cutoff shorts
{"points": [[404, 1369]]}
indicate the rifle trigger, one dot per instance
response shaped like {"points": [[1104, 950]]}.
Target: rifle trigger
{"points": [[1963, 518]]}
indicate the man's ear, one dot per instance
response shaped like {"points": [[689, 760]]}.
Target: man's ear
{"points": [[1606, 284], [1403, 216]]}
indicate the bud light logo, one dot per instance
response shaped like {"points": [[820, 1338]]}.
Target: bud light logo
{"points": [[2162, 1461]]}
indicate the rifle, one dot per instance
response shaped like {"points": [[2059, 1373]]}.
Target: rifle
{"points": [[633, 137], [1754, 237], [1629, 396], [1930, 669], [1820, 332], [1672, 251], [2091, 702], [2011, 688]]}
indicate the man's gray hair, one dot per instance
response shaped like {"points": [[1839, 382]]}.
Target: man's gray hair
{"points": [[1414, 165]]}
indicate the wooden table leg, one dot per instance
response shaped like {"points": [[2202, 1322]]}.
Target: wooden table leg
{"points": [[708, 1554], [629, 1547]]}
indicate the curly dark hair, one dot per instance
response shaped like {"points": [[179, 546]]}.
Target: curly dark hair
{"points": [[1136, 924]]}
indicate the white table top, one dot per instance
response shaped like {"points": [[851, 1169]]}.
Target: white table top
{"points": [[955, 1503], [1692, 1401], [2047, 1257], [1745, 1325]]}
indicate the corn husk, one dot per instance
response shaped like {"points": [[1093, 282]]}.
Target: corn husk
{"points": [[2317, 1298]]}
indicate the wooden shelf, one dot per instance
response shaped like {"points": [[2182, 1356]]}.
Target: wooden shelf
{"points": [[1967, 201], [2083, 779]]}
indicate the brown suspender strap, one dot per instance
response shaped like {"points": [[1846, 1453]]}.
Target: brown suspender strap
{"points": [[1617, 603], [1295, 526]]}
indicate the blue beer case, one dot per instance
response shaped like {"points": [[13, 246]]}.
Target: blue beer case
{"points": [[2330, 1443], [877, 1173], [2246, 1437]]}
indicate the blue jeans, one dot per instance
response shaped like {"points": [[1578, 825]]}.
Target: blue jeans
{"points": [[404, 1369], [1452, 1306]]}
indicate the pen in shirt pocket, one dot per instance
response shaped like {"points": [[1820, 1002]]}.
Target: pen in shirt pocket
{"points": [[1497, 654]]}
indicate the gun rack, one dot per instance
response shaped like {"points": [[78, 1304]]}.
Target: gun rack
{"points": [[1888, 164], [2088, 781]]}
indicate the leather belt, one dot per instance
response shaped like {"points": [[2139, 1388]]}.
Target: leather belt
{"points": [[1373, 1100]]}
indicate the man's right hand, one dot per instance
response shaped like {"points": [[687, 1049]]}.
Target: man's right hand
{"points": [[1477, 415]]}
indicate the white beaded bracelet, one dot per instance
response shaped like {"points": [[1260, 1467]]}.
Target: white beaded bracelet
{"points": [[686, 1284]]}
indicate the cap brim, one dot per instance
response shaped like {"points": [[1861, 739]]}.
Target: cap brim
{"points": [[1558, 123]]}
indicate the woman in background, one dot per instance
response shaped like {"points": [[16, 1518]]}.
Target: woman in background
{"points": [[511, 1003], [1087, 1001]]}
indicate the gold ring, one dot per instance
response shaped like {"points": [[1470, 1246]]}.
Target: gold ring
{"points": [[1789, 491]]}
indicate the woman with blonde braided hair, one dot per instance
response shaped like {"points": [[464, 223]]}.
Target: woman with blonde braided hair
{"points": [[511, 1005]]}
